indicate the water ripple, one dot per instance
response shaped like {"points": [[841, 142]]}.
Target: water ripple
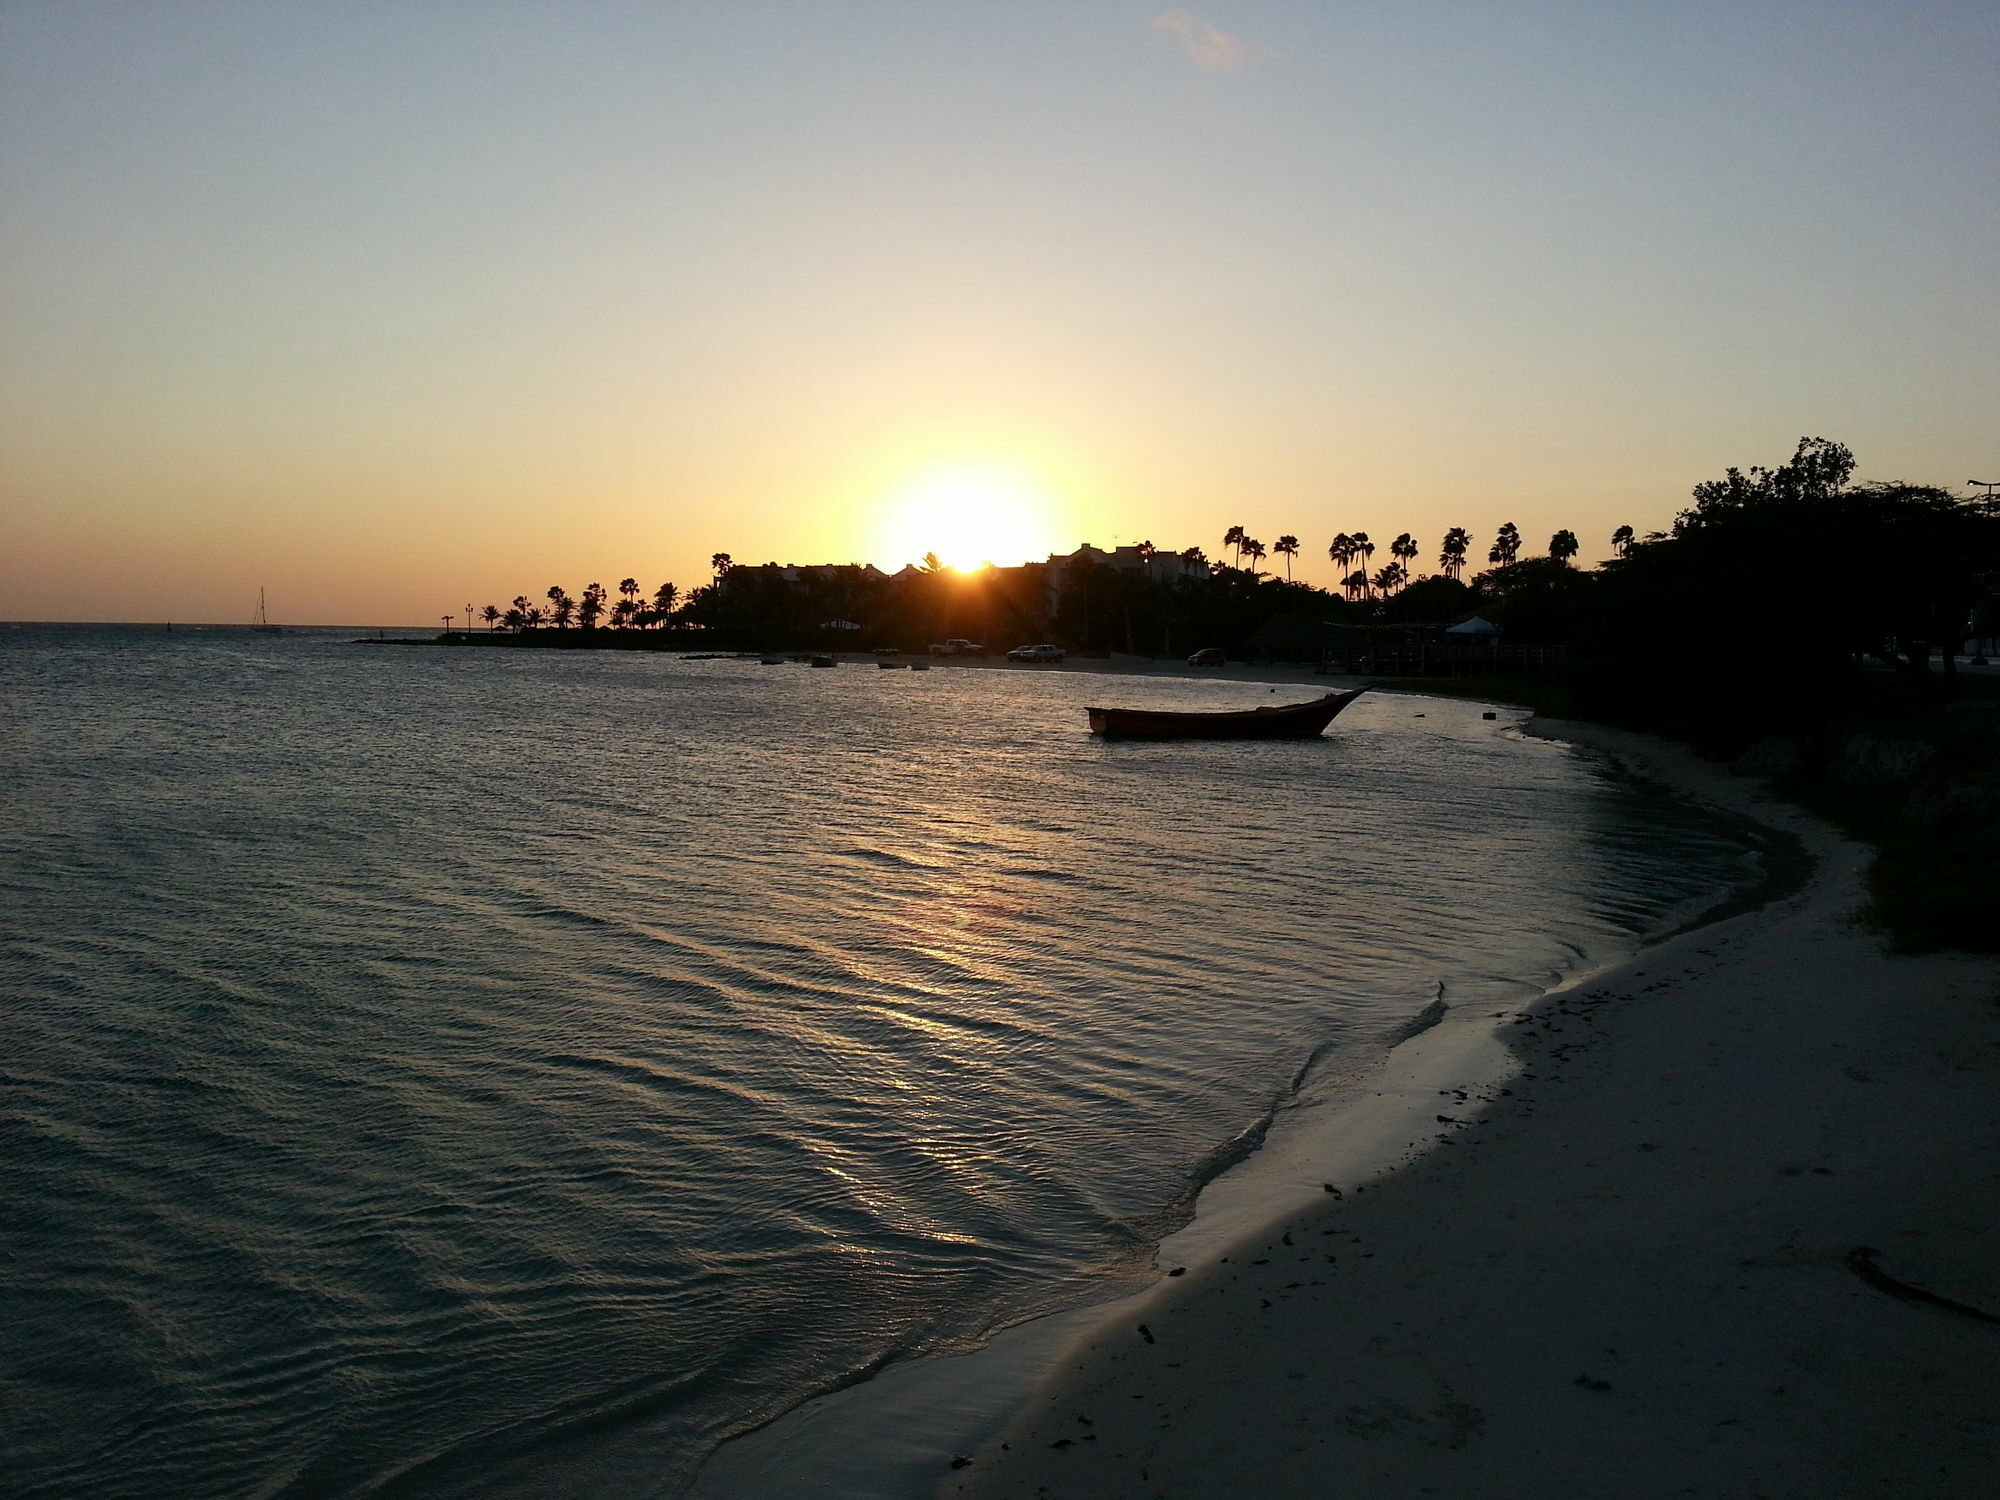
{"points": [[498, 1073]]}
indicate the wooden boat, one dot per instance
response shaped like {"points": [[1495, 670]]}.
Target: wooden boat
{"points": [[1290, 721]]}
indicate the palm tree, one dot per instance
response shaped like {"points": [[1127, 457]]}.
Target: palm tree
{"points": [[1457, 542], [1288, 547], [722, 563], [630, 589], [1506, 546], [1341, 553], [663, 602], [521, 611], [1355, 584], [1405, 549], [1234, 537], [489, 615], [1364, 550], [561, 606], [1563, 546], [1254, 550], [1392, 577], [592, 605], [1621, 540]]}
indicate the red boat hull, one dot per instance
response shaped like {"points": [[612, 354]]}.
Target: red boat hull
{"points": [[1293, 721]]}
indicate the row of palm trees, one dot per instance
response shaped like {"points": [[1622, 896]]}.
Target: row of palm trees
{"points": [[631, 610], [1349, 549]]}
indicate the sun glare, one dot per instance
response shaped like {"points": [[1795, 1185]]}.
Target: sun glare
{"points": [[968, 513]]}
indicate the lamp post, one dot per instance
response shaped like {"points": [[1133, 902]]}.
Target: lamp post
{"points": [[447, 624], [468, 621]]}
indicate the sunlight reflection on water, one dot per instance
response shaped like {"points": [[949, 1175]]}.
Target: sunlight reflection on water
{"points": [[438, 1070]]}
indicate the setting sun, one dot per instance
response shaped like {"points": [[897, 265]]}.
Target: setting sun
{"points": [[968, 512]]}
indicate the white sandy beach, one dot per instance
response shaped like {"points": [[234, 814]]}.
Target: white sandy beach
{"points": [[1672, 1256]]}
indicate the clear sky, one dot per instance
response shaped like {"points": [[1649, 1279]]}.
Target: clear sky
{"points": [[390, 307]]}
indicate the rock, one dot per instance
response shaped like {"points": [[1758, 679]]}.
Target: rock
{"points": [[1771, 756]]}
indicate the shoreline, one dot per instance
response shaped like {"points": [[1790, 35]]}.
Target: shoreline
{"points": [[1661, 1258], [897, 1431]]}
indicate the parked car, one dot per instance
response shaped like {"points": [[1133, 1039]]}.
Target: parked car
{"points": [[1044, 652], [958, 645], [1208, 656]]}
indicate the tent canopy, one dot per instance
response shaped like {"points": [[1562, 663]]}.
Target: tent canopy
{"points": [[1477, 625]]}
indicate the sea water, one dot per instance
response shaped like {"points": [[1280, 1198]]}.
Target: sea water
{"points": [[467, 1072]]}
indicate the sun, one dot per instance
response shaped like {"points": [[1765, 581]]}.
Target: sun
{"points": [[968, 512]]}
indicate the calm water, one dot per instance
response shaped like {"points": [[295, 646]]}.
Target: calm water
{"points": [[459, 1073]]}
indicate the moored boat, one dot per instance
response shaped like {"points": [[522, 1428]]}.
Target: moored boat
{"points": [[1280, 722]]}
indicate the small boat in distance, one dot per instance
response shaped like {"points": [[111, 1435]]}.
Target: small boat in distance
{"points": [[1291, 721], [262, 621]]}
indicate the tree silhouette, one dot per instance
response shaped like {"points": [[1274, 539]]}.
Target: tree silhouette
{"points": [[630, 589], [1254, 550], [1364, 550], [1341, 554], [722, 563], [1391, 577], [1563, 546], [664, 598], [489, 615], [1622, 540], [561, 606], [1288, 548], [1506, 546], [1404, 549], [592, 606], [1451, 557], [1234, 537]]}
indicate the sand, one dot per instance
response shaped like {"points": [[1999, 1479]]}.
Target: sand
{"points": [[1679, 1245]]}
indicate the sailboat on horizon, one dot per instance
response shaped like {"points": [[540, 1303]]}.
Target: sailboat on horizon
{"points": [[262, 621]]}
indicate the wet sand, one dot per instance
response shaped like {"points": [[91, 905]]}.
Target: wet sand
{"points": [[1728, 1230]]}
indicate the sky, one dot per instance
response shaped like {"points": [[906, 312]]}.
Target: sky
{"points": [[391, 307]]}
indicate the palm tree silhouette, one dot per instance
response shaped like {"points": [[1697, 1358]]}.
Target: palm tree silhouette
{"points": [[561, 606], [1341, 553], [1365, 550], [1506, 546], [1563, 546], [1288, 547], [663, 603], [1404, 549], [1452, 557], [489, 615], [1254, 550], [722, 563], [630, 589], [1391, 577], [1234, 537], [1621, 540]]}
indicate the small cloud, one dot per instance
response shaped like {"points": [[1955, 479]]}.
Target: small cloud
{"points": [[1209, 46]]}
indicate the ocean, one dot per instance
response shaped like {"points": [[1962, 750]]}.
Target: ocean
{"points": [[495, 1073]]}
